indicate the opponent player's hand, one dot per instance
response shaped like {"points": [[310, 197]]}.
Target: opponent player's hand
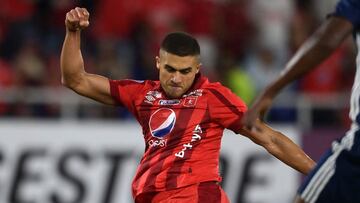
{"points": [[77, 19], [258, 110]]}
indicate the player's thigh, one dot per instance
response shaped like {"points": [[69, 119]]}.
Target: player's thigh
{"points": [[211, 192]]}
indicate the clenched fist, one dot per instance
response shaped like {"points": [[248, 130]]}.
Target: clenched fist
{"points": [[77, 19]]}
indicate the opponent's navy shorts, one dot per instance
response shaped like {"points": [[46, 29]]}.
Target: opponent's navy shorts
{"points": [[336, 177], [205, 192]]}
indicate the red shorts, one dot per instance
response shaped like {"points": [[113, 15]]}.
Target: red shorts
{"points": [[205, 192]]}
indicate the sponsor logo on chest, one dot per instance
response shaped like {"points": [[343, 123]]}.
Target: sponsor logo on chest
{"points": [[161, 123], [169, 102], [196, 137]]}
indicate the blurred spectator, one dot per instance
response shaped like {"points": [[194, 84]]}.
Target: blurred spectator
{"points": [[202, 21], [272, 20], [17, 10], [163, 17], [144, 57], [49, 20], [235, 36], [262, 65], [236, 78], [303, 23], [155, 19], [269, 50], [7, 77], [3, 28], [15, 17], [114, 19], [327, 78], [29, 65], [244, 43], [108, 62], [52, 78]]}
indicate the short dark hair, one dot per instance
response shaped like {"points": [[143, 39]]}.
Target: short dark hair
{"points": [[181, 44]]}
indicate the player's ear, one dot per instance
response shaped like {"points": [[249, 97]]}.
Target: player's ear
{"points": [[157, 58], [198, 67]]}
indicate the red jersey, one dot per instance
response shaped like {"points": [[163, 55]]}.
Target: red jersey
{"points": [[182, 136]]}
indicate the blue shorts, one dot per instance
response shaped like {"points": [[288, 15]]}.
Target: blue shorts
{"points": [[336, 177]]}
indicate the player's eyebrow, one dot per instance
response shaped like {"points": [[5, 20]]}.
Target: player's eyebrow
{"points": [[185, 70]]}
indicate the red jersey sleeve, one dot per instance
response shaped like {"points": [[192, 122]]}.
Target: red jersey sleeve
{"points": [[226, 108], [124, 92]]}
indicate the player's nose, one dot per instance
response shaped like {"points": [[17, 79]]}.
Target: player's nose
{"points": [[176, 77]]}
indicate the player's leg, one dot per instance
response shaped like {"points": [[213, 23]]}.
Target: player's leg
{"points": [[336, 177], [310, 189], [209, 192], [145, 197]]}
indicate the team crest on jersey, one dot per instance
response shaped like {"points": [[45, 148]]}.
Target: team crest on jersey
{"points": [[162, 122], [190, 101]]}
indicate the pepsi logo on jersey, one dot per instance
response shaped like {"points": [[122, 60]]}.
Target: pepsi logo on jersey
{"points": [[162, 122]]}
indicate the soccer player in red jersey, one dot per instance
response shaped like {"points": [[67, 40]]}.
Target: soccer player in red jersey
{"points": [[182, 116]]}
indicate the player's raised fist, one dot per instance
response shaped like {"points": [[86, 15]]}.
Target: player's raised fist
{"points": [[77, 19]]}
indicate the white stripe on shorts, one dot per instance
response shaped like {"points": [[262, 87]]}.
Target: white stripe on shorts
{"points": [[327, 170]]}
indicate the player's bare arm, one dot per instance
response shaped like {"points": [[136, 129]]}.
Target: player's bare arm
{"points": [[318, 47], [73, 74], [280, 146]]}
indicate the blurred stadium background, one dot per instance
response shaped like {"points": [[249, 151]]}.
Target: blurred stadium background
{"points": [[56, 146]]}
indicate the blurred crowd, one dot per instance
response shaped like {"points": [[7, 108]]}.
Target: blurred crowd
{"points": [[244, 44]]}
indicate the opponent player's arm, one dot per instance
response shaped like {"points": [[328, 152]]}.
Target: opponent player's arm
{"points": [[73, 74], [313, 52], [280, 146]]}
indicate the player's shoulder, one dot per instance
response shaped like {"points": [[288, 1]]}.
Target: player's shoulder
{"points": [[139, 82], [133, 82], [144, 86], [218, 93], [135, 86], [216, 87]]}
